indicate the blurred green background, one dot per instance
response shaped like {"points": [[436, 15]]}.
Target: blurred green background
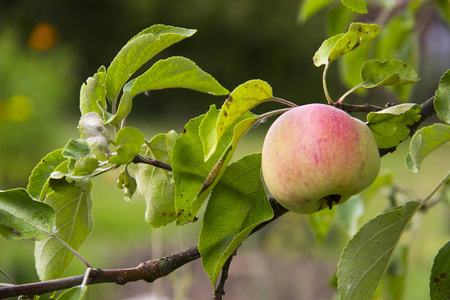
{"points": [[49, 48]]}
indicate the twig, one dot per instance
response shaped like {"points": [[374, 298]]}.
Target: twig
{"points": [[220, 291], [150, 161], [357, 108]]}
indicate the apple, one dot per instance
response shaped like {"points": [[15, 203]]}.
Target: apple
{"points": [[315, 156]]}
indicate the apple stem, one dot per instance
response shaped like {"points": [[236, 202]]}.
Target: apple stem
{"points": [[349, 92], [324, 83]]}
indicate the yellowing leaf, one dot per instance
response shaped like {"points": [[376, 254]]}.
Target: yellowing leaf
{"points": [[338, 45]]}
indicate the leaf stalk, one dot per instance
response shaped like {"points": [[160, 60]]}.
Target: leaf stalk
{"points": [[72, 250], [349, 92], [324, 83]]}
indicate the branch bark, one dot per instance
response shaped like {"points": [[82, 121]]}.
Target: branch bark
{"points": [[148, 271], [153, 269]]}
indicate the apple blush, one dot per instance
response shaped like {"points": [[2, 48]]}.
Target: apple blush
{"points": [[315, 156]]}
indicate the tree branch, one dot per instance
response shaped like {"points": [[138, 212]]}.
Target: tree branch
{"points": [[148, 271], [153, 269]]}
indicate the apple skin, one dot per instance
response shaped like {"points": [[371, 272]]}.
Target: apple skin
{"points": [[317, 155]]}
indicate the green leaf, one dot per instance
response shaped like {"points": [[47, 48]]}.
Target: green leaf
{"points": [[237, 205], [157, 185], [176, 72], [440, 275], [442, 98], [73, 205], [392, 72], [390, 126], [85, 166], [190, 170], [240, 101], [76, 149], [197, 187], [81, 160], [309, 8], [358, 6], [22, 217], [366, 256], [138, 51], [240, 128], [128, 142], [125, 104], [75, 293], [322, 54], [41, 173], [93, 93], [400, 41], [127, 183], [338, 45], [425, 141]]}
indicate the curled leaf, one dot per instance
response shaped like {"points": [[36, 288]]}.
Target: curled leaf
{"points": [[240, 101], [128, 142], [390, 126], [442, 98], [424, 141], [93, 93], [127, 183], [392, 72]]}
